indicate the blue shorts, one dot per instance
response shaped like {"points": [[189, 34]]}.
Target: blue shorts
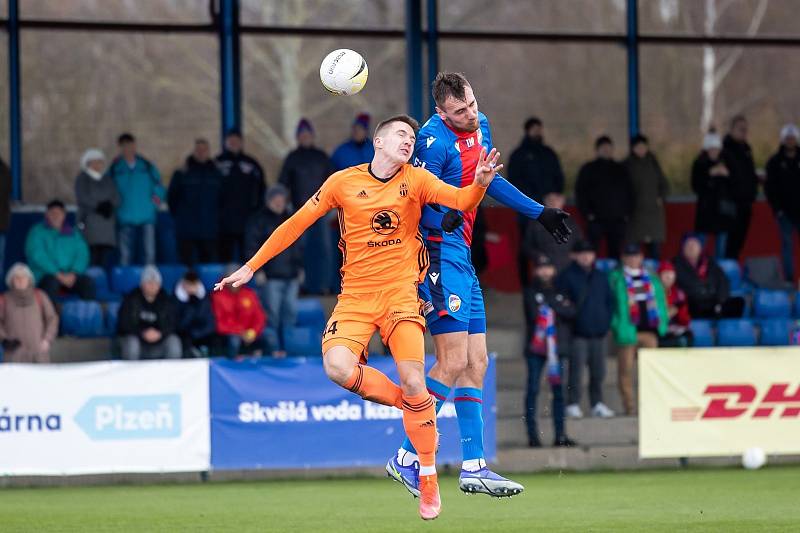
{"points": [[451, 294]]}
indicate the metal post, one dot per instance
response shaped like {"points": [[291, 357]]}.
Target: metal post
{"points": [[15, 123], [414, 57], [632, 43], [230, 65], [433, 50]]}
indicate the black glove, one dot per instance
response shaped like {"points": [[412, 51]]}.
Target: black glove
{"points": [[10, 344], [104, 209], [555, 221], [451, 221]]}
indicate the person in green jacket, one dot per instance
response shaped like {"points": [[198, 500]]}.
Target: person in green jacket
{"points": [[639, 318], [58, 256]]}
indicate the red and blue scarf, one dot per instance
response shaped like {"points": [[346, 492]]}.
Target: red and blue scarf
{"points": [[644, 286], [544, 344]]}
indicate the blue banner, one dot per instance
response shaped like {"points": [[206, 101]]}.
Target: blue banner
{"points": [[285, 413]]}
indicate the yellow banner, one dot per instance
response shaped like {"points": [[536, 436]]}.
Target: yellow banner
{"points": [[718, 401]]}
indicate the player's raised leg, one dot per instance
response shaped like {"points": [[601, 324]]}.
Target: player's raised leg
{"points": [[407, 345], [342, 367]]}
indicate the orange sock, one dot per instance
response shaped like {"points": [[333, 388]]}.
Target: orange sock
{"points": [[373, 385], [419, 421]]}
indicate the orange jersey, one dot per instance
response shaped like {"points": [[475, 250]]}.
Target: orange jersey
{"points": [[379, 223]]}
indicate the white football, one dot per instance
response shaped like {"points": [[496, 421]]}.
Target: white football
{"points": [[343, 72], [754, 458]]}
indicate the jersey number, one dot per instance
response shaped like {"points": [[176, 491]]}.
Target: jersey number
{"points": [[332, 328]]}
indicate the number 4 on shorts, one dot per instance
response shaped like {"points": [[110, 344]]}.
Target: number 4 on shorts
{"points": [[332, 328]]}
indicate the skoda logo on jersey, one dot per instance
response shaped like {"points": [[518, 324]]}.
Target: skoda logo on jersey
{"points": [[454, 303], [385, 222]]}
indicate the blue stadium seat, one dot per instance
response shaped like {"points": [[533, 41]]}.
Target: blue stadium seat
{"points": [[82, 318], [125, 278], [775, 331], [703, 331], [736, 332], [651, 264], [310, 314], [210, 274], [797, 305], [110, 319], [302, 341], [606, 264], [170, 275], [102, 291], [733, 272], [772, 304]]}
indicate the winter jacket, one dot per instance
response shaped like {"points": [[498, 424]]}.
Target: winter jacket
{"points": [[716, 208], [237, 312], [136, 314], [783, 184], [140, 190], [591, 295], [50, 251], [739, 159], [677, 298], [27, 317], [537, 240], [351, 153], [538, 293], [703, 294], [603, 191], [96, 199], [303, 173], [194, 200], [261, 225], [5, 196], [534, 168], [243, 189], [624, 330], [650, 189], [195, 317]]}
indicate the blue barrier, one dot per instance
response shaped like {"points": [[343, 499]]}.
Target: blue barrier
{"points": [[286, 414]]}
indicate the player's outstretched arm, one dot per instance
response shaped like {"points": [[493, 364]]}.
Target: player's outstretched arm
{"points": [[467, 198], [553, 220], [281, 238]]}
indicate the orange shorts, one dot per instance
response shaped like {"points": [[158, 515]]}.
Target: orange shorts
{"points": [[356, 317]]}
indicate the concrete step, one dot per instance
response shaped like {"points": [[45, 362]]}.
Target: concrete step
{"points": [[73, 349], [504, 309], [511, 402], [616, 431]]}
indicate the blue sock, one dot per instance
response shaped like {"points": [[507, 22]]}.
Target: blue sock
{"points": [[469, 408], [440, 392]]}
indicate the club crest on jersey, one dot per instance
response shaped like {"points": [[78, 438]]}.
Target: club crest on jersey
{"points": [[385, 222], [403, 189], [454, 303]]}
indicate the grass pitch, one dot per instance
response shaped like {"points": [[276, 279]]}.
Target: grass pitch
{"points": [[727, 500]]}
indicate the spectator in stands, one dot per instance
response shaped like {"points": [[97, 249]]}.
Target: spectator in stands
{"points": [[650, 189], [537, 240], [783, 192], [704, 282], [640, 316], [196, 188], [98, 199], [358, 149], [240, 320], [605, 197], [147, 321], [243, 187], [716, 208], [304, 171], [534, 168], [281, 277], [5, 209], [141, 193], [546, 310], [28, 321], [58, 255], [196, 326], [743, 182], [678, 332], [588, 288]]}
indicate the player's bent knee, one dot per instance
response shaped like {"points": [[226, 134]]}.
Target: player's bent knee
{"points": [[412, 377], [339, 363]]}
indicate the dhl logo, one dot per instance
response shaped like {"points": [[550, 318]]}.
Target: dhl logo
{"points": [[730, 401]]}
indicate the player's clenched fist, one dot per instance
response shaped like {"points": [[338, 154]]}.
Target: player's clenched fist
{"points": [[487, 167], [237, 279]]}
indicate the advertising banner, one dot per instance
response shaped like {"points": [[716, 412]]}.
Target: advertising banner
{"points": [[288, 414], [719, 401], [86, 418]]}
